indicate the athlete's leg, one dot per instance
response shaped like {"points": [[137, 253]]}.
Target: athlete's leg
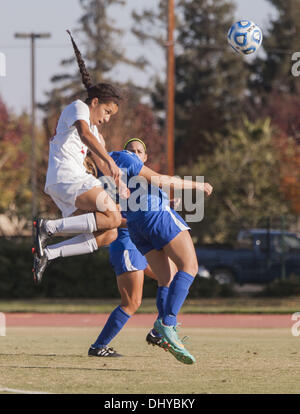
{"points": [[98, 200], [182, 252], [173, 299], [75, 246], [96, 211], [81, 244], [130, 286], [149, 272], [161, 266], [164, 269]]}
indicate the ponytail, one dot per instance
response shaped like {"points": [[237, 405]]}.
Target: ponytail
{"points": [[86, 79], [105, 92]]}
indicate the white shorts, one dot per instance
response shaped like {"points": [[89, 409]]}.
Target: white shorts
{"points": [[64, 194]]}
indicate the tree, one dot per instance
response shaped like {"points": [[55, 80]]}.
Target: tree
{"points": [[244, 171], [101, 50], [211, 80], [15, 149], [136, 120], [275, 91], [290, 172], [273, 72]]}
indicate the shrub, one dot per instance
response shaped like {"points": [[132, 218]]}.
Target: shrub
{"points": [[282, 287], [88, 276]]}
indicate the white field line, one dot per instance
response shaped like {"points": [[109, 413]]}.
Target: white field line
{"points": [[22, 391]]}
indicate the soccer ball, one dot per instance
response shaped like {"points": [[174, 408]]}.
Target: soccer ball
{"points": [[245, 37]]}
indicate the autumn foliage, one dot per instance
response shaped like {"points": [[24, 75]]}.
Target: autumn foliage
{"points": [[14, 161]]}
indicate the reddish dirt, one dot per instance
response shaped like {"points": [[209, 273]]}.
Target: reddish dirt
{"points": [[146, 320]]}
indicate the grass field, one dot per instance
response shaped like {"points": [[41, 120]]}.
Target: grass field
{"points": [[241, 304], [229, 361]]}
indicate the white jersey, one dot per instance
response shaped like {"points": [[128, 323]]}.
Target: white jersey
{"points": [[66, 150]]}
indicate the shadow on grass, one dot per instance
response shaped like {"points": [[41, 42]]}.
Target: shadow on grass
{"points": [[69, 368]]}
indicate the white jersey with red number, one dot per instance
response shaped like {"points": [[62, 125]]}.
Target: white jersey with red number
{"points": [[66, 150]]}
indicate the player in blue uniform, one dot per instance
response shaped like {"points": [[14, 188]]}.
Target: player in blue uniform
{"points": [[129, 266], [162, 236]]}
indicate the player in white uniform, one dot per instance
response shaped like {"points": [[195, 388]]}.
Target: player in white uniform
{"points": [[86, 207]]}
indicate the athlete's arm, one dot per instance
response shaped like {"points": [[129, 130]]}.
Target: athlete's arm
{"points": [[102, 165], [175, 182], [123, 222], [93, 144]]}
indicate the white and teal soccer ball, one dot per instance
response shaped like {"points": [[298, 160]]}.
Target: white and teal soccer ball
{"points": [[245, 37]]}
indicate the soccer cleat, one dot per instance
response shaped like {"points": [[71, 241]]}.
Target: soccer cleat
{"points": [[103, 352], [157, 340], [182, 355], [176, 348], [39, 267], [41, 236]]}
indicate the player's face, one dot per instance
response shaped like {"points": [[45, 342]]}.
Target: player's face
{"points": [[137, 148], [101, 112]]}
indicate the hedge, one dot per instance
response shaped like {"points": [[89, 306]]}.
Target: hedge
{"points": [[87, 276]]}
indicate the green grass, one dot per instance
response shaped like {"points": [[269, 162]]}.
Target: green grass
{"points": [[229, 361], [204, 305]]}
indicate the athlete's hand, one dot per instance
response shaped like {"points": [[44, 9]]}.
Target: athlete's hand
{"points": [[113, 169], [116, 174], [174, 202], [123, 190], [206, 187]]}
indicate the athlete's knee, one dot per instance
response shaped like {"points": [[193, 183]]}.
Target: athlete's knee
{"points": [[133, 305], [191, 268], [117, 219], [106, 238], [114, 218], [110, 236], [194, 268], [136, 303]]}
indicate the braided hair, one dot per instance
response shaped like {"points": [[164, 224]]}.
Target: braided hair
{"points": [[105, 92]]}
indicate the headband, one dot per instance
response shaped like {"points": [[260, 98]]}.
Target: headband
{"points": [[135, 139]]}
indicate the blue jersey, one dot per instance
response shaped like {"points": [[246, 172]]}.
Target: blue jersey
{"points": [[143, 196], [151, 222], [131, 166]]}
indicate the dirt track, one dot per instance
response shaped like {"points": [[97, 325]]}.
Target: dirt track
{"points": [[146, 320]]}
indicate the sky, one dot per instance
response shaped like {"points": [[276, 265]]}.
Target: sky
{"points": [[55, 17]]}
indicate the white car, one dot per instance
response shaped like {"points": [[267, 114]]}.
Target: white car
{"points": [[203, 272]]}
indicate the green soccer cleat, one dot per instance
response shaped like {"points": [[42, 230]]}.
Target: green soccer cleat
{"points": [[176, 347], [182, 355]]}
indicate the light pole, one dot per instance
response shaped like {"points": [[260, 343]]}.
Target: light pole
{"points": [[170, 88], [33, 36]]}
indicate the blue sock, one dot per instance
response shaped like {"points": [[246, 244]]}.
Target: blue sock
{"points": [[114, 324], [178, 291], [161, 298]]}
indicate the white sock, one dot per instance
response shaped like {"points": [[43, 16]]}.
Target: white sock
{"points": [[81, 244], [85, 223]]}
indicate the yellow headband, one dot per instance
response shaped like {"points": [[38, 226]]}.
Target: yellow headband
{"points": [[135, 139]]}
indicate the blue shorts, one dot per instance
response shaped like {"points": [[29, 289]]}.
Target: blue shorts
{"points": [[125, 260], [155, 229]]}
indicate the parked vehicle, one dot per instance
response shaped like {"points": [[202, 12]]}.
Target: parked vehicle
{"points": [[259, 256]]}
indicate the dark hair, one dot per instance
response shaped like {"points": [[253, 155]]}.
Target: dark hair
{"points": [[105, 92]]}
